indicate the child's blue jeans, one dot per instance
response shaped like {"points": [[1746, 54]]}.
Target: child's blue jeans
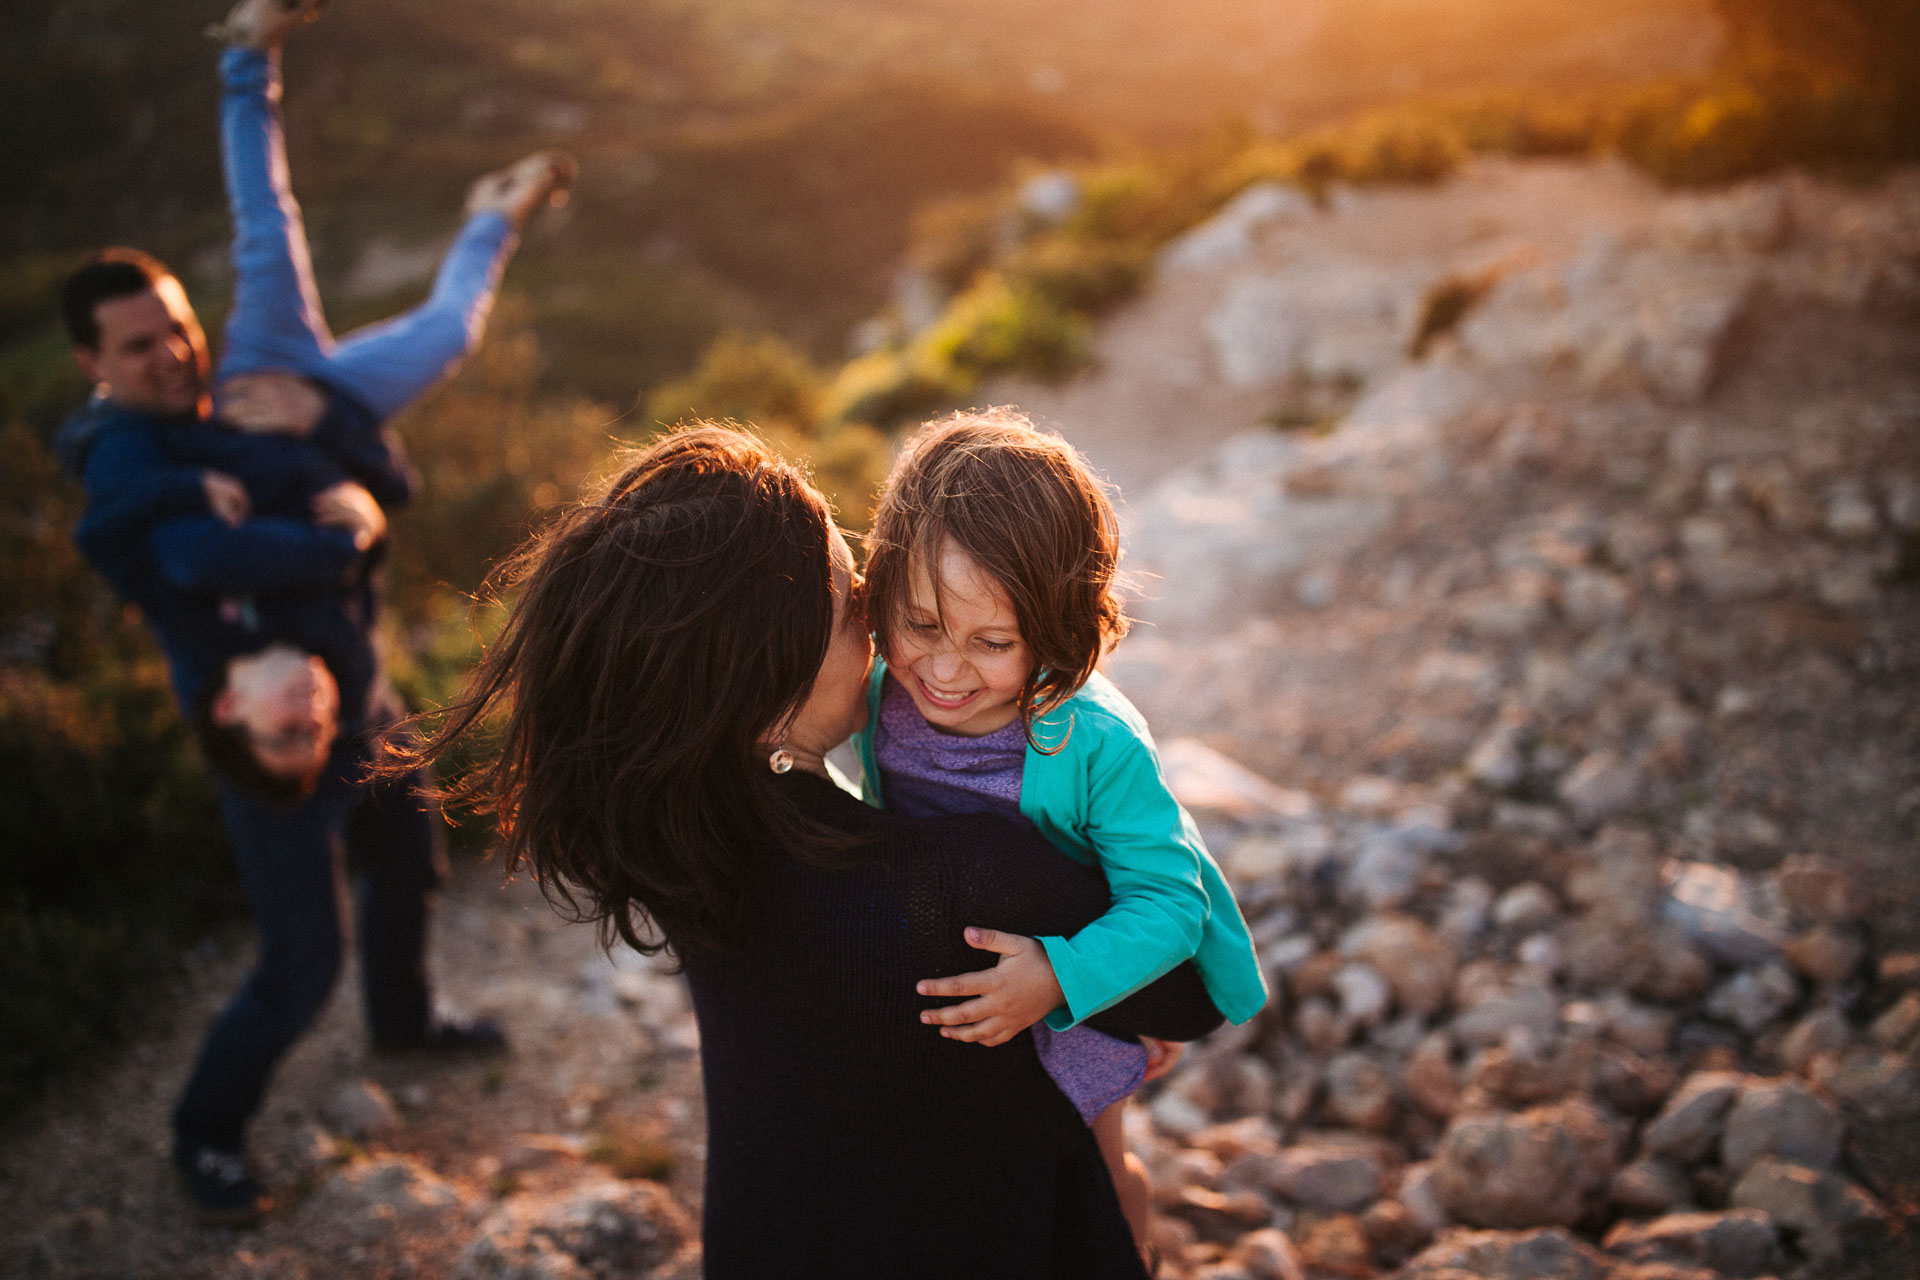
{"points": [[277, 323]]}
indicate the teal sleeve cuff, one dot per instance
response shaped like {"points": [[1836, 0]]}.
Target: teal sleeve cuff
{"points": [[1059, 956]]}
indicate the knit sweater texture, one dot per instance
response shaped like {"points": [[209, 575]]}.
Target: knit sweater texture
{"points": [[845, 1138]]}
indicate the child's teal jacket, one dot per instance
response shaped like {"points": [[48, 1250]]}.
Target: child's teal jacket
{"points": [[1101, 798]]}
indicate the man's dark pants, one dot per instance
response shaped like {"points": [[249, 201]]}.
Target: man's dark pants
{"points": [[289, 860]]}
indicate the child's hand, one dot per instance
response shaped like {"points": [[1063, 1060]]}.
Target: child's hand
{"points": [[1009, 998], [226, 497], [1161, 1056]]}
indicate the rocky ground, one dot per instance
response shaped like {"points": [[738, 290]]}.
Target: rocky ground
{"points": [[1583, 645], [1548, 697]]}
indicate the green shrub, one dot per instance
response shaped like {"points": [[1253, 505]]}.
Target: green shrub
{"points": [[1528, 125], [74, 985], [890, 386], [114, 858], [1411, 149], [760, 379], [997, 326], [1713, 137], [1079, 274]]}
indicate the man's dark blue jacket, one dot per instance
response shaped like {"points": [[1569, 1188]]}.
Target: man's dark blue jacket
{"points": [[213, 591]]}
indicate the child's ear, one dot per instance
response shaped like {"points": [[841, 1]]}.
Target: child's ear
{"points": [[89, 362], [225, 709]]}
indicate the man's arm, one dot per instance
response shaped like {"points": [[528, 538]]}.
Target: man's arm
{"points": [[130, 484]]}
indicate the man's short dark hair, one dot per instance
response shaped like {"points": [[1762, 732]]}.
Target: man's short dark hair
{"points": [[229, 753], [118, 272]]}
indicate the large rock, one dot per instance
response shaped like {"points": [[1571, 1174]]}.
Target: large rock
{"points": [[1624, 318], [1754, 999], [1821, 1210], [390, 1193], [1330, 1175], [1526, 1007], [361, 1109], [1601, 786], [1416, 962], [1689, 1126], [1819, 890], [1826, 953], [1825, 1030], [1326, 318], [1229, 235], [1739, 1242], [1508, 1255], [1649, 1185], [596, 1231], [1781, 1118], [1360, 1092], [1386, 872], [1877, 1085], [1542, 1167], [1717, 908], [1364, 995], [1267, 1254], [1429, 1078], [1899, 1025], [1210, 784]]}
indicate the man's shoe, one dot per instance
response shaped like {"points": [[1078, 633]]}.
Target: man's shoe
{"points": [[523, 186], [478, 1038], [220, 1185], [264, 24]]}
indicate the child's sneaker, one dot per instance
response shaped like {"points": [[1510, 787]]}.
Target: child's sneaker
{"points": [[523, 186], [220, 1185], [263, 24]]}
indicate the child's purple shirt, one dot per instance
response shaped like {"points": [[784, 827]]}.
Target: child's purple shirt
{"points": [[925, 773]]}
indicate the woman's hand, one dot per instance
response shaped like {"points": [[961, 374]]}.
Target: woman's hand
{"points": [[1008, 998]]}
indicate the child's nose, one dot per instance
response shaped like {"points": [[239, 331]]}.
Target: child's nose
{"points": [[946, 663]]}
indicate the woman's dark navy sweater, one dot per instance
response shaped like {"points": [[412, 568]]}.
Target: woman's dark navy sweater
{"points": [[848, 1140]]}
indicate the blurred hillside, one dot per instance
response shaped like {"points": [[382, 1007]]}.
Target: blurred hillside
{"points": [[747, 165]]}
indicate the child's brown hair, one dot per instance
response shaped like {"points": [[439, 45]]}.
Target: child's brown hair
{"points": [[1025, 507]]}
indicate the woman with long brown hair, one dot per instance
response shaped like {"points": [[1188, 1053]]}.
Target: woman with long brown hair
{"points": [[684, 652]]}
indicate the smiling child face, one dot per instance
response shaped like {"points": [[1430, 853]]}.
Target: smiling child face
{"points": [[957, 649]]}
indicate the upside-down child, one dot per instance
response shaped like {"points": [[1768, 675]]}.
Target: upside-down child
{"points": [[993, 576]]}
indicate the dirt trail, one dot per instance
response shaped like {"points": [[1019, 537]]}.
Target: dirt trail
{"points": [[603, 1076]]}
